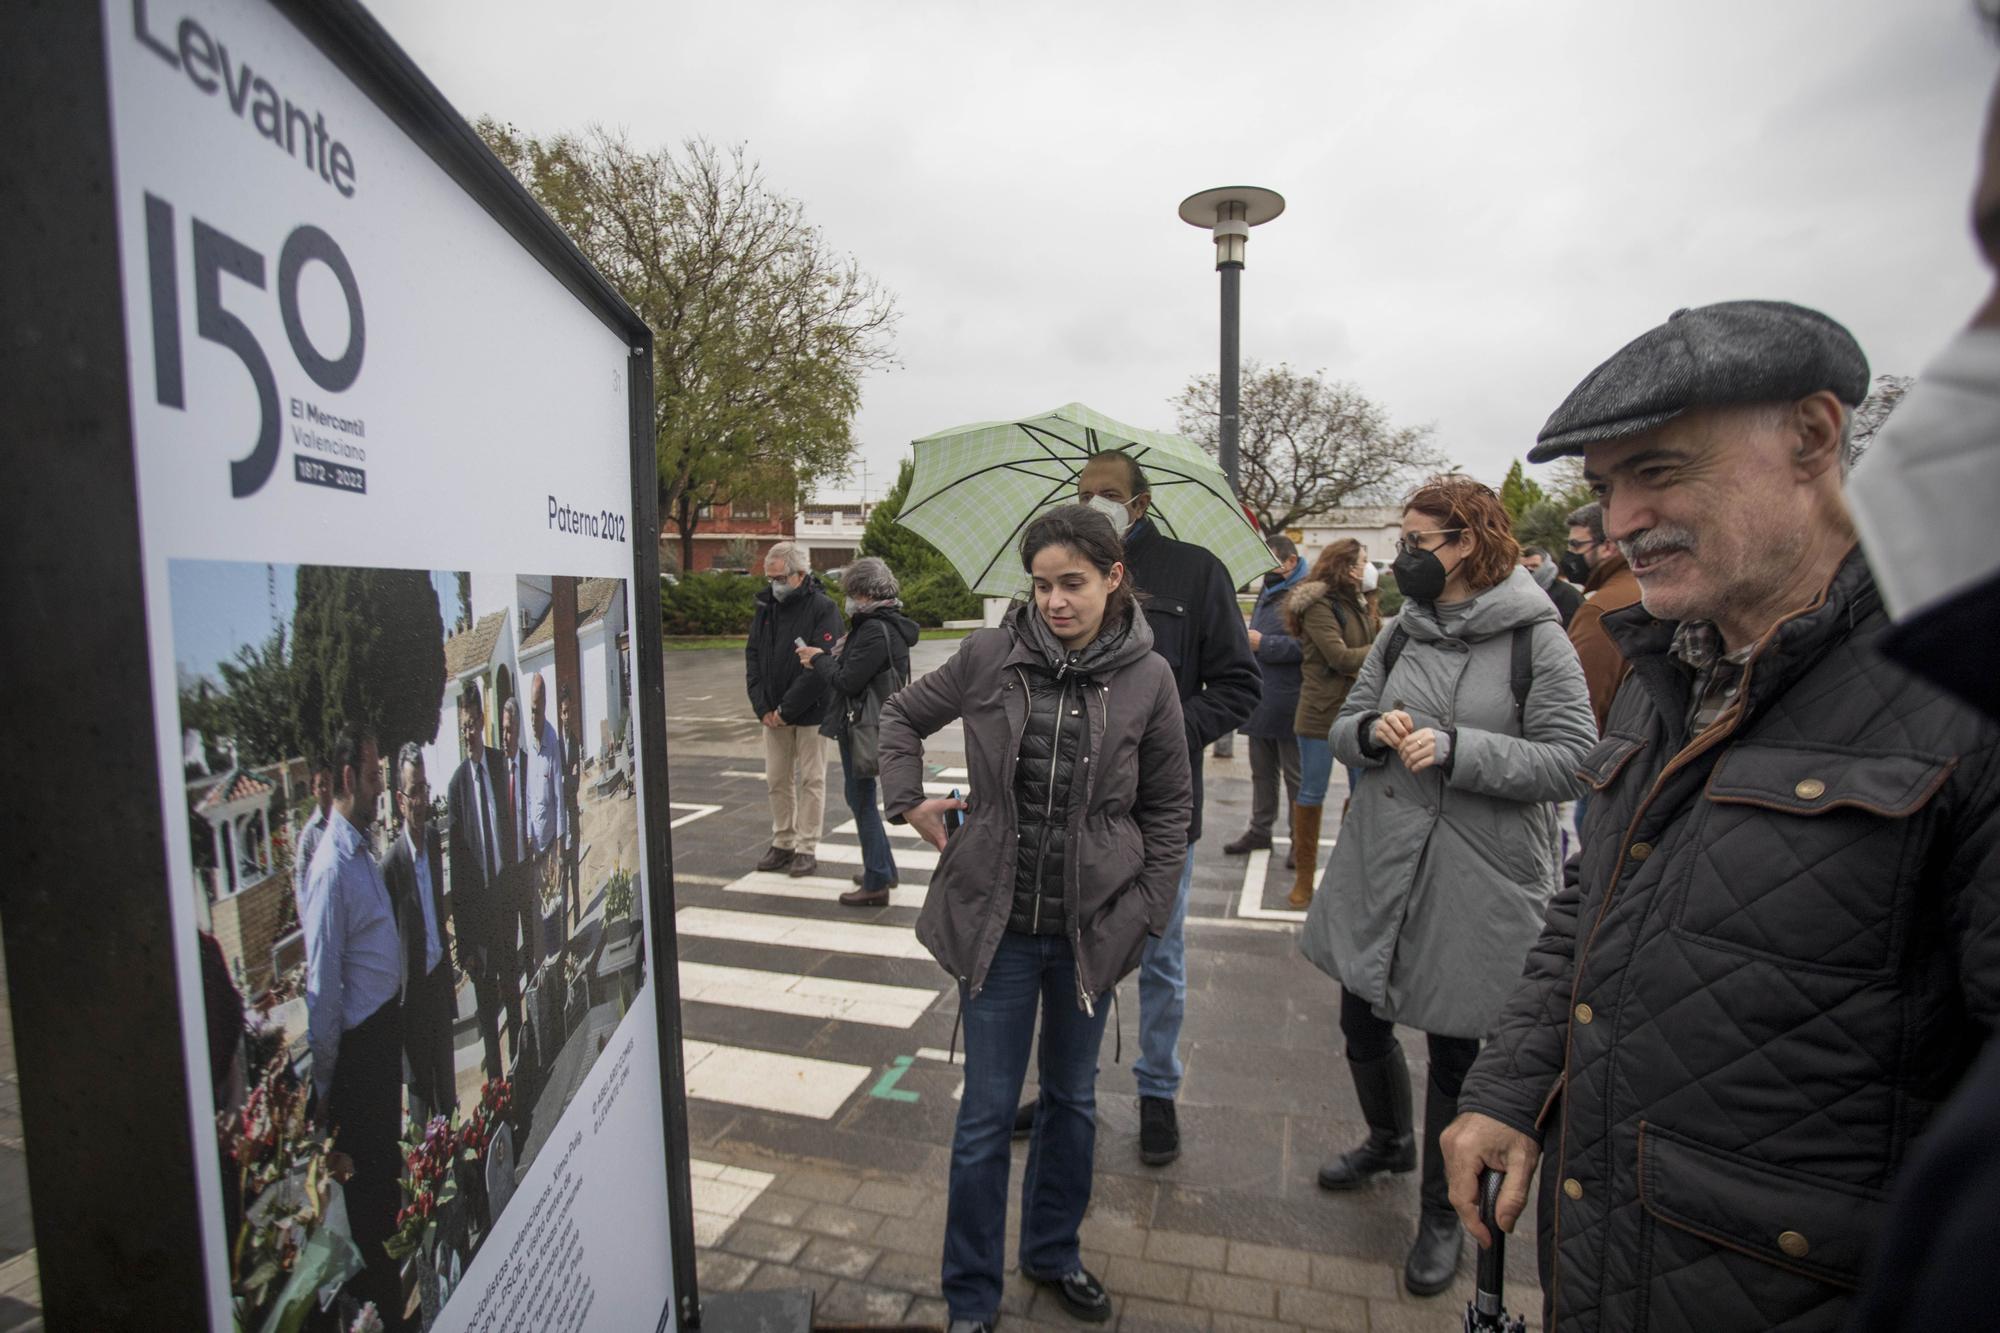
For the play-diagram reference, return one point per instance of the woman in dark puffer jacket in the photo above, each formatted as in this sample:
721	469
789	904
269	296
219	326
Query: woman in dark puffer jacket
1069	858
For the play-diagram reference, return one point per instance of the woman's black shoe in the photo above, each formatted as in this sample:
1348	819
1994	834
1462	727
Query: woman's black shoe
1081	1294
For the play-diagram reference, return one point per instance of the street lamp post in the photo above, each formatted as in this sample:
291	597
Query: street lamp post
1230	212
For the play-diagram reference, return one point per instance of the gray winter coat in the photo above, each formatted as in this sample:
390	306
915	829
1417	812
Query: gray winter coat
1440	879
1126	838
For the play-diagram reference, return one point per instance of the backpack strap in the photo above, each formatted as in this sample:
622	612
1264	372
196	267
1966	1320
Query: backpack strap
1397	638
1523	673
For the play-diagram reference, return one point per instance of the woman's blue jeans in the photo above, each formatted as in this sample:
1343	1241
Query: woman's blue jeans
878	865
1315	769
1028	972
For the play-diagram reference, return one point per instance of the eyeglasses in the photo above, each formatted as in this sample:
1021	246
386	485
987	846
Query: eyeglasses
1581	545
1406	546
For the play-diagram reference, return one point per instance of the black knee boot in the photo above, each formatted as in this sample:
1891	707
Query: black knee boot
1383	1087
1433	1261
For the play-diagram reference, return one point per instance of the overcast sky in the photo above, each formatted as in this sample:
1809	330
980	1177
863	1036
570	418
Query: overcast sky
1484	200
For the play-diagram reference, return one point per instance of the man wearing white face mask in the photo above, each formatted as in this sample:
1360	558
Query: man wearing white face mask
1199	629
790	701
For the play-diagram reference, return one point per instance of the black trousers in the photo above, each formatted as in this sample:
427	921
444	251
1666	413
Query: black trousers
365	1107
1370	1038
496	984
430	1011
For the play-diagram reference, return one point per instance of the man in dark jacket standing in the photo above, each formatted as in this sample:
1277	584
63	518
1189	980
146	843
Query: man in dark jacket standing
1779	948
791	703
1274	745
1191	607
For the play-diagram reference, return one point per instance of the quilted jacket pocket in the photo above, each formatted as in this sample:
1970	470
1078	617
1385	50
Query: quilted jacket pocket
1601	767
1803	1224
1805	856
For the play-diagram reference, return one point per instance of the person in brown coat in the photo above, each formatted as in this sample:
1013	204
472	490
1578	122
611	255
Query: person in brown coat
1608	586
1329	617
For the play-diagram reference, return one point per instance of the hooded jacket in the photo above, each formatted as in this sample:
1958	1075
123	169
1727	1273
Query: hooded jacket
1775	956
1442	876
1334	642
1126	810
878	639
771	659
1277	655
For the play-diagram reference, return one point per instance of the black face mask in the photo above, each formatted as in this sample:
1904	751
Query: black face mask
1419	576
1574	567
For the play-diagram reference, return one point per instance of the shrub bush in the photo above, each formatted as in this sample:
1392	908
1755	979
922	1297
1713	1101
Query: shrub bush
935	597
708	603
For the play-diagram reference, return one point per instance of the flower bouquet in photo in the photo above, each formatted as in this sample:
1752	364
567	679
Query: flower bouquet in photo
293	1248
475	1135
430	1188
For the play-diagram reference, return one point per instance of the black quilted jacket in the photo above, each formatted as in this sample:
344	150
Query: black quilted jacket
1776	953
1050	746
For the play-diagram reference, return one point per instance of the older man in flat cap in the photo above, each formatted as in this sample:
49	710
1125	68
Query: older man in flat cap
1779	947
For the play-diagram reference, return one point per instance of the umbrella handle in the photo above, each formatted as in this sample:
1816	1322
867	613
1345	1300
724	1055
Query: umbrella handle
1492	1259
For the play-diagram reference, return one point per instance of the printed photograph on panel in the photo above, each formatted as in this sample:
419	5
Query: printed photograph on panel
415	834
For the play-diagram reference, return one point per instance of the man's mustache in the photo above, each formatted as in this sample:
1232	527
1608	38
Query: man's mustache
1655	543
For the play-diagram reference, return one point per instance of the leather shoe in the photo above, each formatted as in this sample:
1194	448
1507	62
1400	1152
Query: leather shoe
803	864
776	859
1159	1131
1081	1294
1433	1261
1248	843
865	898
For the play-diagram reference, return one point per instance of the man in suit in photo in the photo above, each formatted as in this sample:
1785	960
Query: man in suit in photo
548	817
572	802
524	891
413	869
482	829
354	978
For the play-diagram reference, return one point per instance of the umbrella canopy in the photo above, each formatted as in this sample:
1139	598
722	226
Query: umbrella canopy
976	488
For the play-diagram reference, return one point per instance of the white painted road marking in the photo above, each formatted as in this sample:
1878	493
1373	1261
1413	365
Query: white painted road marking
721	1193
800	932
805	996
921	857
698	812
767	1081
816	888
1250	906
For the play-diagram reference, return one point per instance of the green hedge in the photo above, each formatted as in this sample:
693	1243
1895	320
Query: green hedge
933	598
708	604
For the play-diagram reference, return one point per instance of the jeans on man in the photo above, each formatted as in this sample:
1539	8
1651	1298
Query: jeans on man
1028	971
1163	999
878	864
1267	758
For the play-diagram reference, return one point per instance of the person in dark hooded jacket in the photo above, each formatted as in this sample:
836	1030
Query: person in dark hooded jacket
871	660
791	703
1068	863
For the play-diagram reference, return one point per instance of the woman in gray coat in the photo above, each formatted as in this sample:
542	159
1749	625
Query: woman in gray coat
1467	722
1069	859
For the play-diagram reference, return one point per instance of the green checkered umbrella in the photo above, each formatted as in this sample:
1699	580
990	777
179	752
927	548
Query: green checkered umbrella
976	488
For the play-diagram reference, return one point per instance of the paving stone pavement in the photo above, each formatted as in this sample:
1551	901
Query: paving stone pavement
1235	1235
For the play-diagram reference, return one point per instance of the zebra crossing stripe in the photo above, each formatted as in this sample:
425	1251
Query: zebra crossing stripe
816	888
805	996
769	1081
797	932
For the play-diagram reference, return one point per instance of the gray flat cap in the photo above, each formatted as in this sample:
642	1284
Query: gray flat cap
1732	352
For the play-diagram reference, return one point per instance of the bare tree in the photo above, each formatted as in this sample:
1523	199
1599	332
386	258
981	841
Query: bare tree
762	332
1306	444
1874	412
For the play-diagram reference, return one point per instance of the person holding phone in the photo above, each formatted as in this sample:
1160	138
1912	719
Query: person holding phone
1068	862
1468	720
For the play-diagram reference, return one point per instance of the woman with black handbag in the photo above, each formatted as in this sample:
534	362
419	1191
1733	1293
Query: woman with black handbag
870	663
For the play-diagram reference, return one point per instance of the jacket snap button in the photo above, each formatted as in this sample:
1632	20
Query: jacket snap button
1809	790
1793	1244
1584	1014
1573	1188
1641	850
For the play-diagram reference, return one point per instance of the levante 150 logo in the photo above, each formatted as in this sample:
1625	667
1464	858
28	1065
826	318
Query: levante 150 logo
339	438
